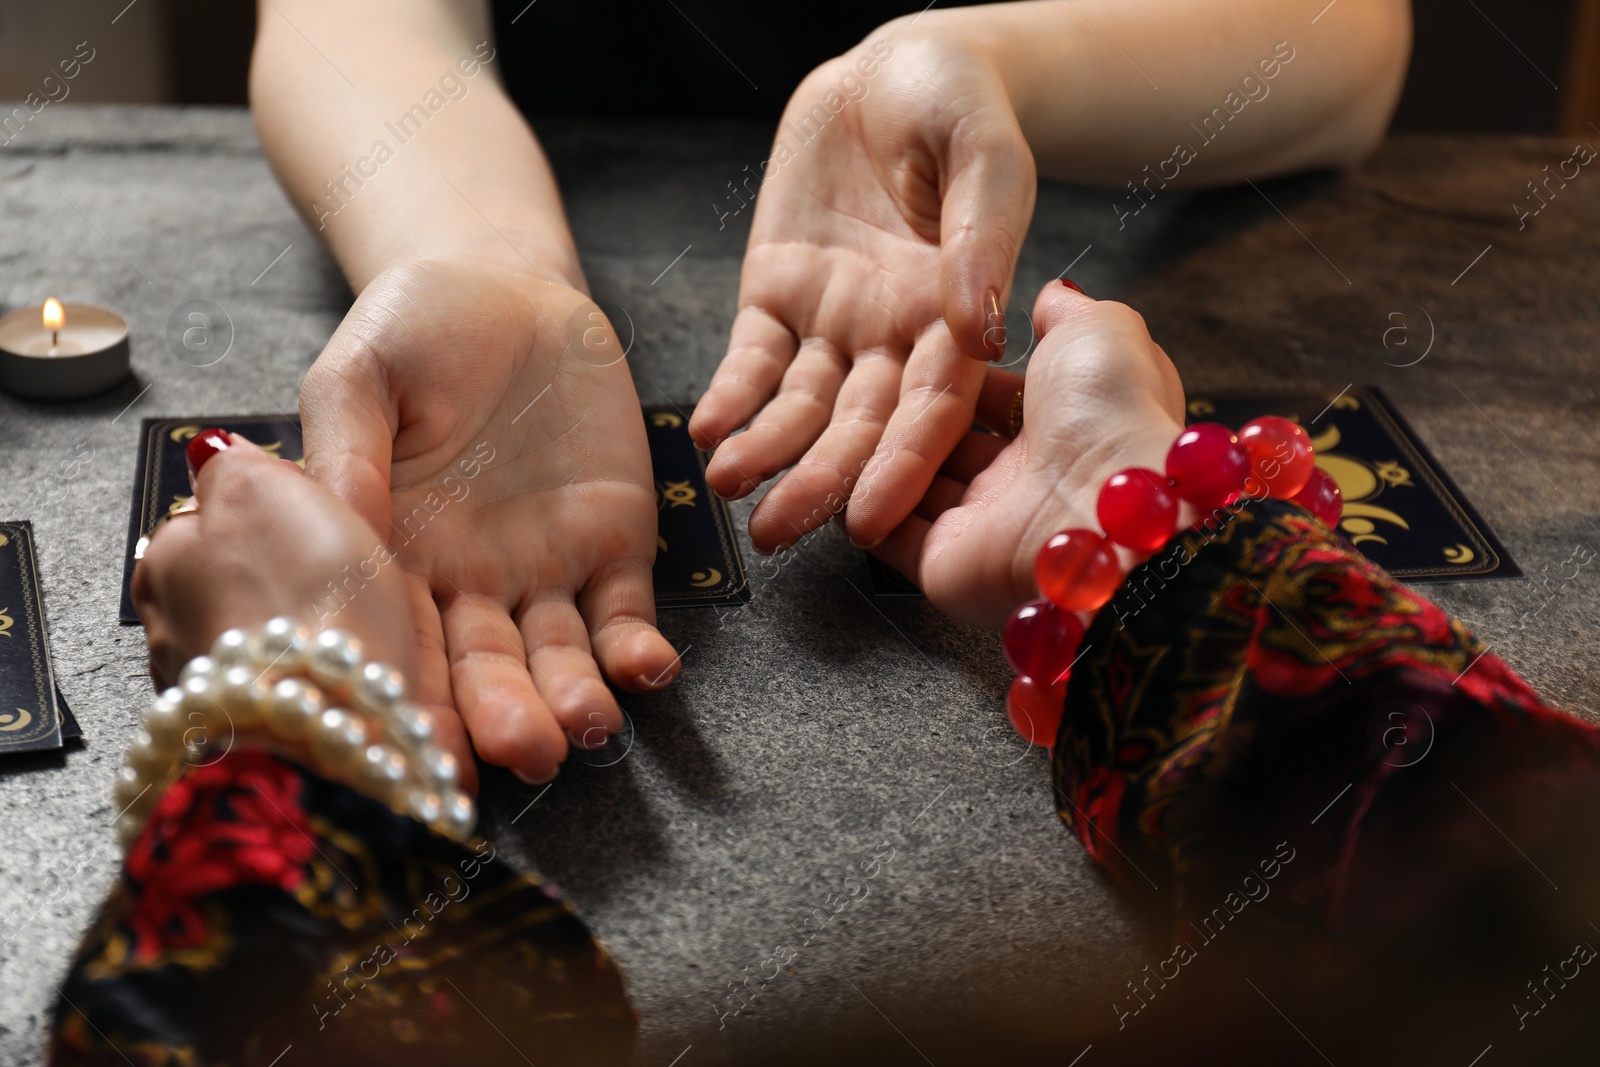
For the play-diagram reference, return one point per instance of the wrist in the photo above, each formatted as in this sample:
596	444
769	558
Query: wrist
989	35
1036	52
1145	444
528	254
315	699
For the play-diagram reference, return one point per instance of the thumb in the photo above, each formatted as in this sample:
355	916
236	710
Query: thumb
988	204
230	453
349	418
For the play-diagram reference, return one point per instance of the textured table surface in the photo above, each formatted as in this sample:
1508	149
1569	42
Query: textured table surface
817	726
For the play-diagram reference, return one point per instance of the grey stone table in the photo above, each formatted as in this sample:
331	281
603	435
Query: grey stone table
818	726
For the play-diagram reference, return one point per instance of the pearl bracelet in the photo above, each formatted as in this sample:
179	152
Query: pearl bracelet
313	691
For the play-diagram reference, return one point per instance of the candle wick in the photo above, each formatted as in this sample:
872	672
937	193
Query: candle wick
55	337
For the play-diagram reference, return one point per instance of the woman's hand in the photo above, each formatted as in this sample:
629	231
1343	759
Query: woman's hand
485	421
1101	396
268	541
883	245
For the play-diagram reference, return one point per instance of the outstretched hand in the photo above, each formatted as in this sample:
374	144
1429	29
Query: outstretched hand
485	422
1101	396
879	264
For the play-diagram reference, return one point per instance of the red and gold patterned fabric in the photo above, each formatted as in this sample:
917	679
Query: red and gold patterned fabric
1259	696
266	907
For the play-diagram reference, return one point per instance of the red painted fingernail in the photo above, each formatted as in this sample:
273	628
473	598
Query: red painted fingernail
994	334
1070	284
202	447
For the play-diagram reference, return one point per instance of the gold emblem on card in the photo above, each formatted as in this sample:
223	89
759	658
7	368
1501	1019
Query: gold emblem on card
4	540
1360	483
705	579
1199	408
667	419
10	722
1459	555
6	622
677	494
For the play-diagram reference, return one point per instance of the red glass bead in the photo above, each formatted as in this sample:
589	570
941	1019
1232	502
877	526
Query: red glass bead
204	445
1077	570
1280	454
1035	709
1137	509
1321	497
1041	640
1207	465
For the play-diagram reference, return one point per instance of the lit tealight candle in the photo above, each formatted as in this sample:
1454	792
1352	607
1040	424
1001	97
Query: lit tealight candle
62	351
53	317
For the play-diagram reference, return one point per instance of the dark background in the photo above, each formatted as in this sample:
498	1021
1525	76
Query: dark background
1477	64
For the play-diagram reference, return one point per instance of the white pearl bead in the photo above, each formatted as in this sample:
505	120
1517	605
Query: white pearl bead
424	805
147	758
231	649
293	707
380	687
338	738
202	716
198	691
334	659
199	667
241	696
411	726
164	718
438	767
169	744
280	646
383	770
458	817
129	787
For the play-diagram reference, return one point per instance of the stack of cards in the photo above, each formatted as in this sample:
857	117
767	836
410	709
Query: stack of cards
697	557
33	715
1400	508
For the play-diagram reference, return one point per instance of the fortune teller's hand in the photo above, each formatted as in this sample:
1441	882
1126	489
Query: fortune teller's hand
884	240
1101	396
268	541
484	421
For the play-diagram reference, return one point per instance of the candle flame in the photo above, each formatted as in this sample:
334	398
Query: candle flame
54	317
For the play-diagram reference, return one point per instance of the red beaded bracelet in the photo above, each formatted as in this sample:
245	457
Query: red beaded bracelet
1078	570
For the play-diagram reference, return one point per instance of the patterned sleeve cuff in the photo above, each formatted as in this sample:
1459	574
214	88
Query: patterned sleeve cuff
265	906
1254	696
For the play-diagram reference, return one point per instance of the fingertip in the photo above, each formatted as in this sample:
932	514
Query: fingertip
518	734
726	476
646	662
707	425
973	310
771	528
244	445
587	712
1056	300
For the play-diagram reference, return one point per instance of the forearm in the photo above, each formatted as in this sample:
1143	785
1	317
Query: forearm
390	132
1103	88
